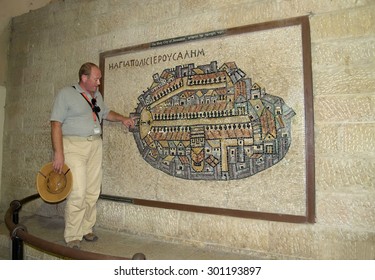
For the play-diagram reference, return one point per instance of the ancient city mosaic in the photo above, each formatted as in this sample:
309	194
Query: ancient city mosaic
211	122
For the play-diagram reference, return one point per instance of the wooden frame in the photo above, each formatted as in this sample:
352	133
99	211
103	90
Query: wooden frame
309	216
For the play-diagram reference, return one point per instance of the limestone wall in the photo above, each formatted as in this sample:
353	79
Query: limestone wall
48	46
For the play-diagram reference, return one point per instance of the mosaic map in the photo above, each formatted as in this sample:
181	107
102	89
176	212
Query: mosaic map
210	123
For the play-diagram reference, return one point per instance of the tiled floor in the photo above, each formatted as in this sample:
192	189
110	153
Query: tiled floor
118	243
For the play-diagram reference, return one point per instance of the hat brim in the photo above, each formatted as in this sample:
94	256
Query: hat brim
42	187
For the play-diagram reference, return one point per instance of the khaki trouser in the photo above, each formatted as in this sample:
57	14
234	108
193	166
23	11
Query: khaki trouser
84	158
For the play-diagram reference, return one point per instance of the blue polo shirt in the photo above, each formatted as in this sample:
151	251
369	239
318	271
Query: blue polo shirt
72	110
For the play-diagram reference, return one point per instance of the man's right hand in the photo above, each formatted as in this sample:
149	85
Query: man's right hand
58	163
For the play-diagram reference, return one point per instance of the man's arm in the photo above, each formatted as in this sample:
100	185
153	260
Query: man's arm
116	117
57	145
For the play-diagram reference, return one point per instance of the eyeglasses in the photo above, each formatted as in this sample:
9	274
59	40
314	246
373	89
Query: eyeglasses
96	108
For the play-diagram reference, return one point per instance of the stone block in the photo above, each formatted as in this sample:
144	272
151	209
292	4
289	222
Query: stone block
347	108
346	210
135	14
111	215
345	23
291	241
326	139
345	175
150	221
344	80
358	139
344	52
335	243
235	233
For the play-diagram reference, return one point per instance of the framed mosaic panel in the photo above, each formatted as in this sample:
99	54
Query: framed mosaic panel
224	123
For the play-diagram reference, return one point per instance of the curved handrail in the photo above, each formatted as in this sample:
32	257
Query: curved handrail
19	231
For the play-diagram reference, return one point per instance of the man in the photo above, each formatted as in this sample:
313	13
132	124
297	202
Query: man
76	140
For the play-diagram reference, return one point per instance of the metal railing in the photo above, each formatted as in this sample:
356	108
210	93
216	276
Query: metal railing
19	235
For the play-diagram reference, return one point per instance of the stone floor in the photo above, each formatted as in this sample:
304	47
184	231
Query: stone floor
112	243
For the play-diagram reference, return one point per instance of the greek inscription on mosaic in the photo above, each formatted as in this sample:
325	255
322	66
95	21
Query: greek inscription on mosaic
211	123
155	59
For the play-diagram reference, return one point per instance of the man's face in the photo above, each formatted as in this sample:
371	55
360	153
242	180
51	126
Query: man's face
92	82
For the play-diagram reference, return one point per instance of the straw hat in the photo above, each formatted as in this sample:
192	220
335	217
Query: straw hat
52	186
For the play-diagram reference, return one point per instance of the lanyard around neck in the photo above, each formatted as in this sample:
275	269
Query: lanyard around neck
94	113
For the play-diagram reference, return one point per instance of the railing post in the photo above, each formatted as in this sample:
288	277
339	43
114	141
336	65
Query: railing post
17	243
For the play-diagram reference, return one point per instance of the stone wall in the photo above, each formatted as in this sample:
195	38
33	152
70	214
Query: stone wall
48	46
